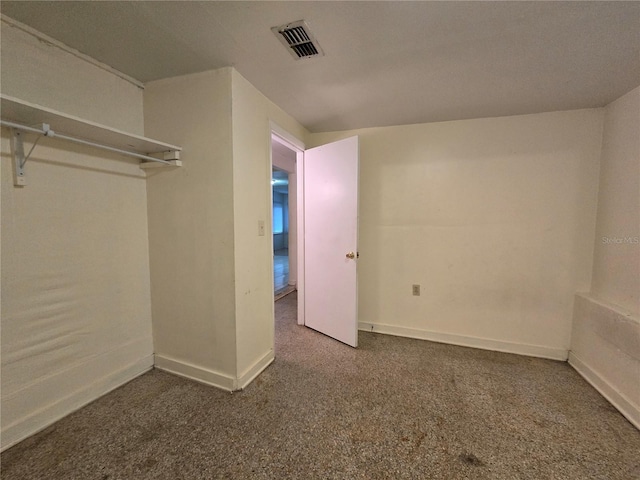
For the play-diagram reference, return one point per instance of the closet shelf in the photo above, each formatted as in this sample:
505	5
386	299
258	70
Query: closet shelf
36	118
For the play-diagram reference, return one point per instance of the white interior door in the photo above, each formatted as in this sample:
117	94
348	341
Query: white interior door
331	239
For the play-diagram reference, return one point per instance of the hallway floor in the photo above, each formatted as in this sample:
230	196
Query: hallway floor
280	271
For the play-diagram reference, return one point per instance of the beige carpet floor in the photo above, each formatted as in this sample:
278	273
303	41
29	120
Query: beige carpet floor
394	408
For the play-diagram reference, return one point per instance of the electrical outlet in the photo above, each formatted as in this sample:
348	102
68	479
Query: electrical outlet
415	289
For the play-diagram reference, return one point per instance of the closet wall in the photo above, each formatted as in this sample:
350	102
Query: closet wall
191	228
76	310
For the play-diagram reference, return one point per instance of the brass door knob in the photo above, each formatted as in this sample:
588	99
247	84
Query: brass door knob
351	255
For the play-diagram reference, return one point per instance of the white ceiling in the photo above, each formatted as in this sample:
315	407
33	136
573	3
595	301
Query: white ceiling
386	63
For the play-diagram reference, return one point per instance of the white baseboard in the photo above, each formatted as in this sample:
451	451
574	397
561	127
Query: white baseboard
86	381
211	377
194	372
256	369
625	406
464	341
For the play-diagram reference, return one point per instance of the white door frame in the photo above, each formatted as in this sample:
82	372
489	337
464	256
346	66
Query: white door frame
297	145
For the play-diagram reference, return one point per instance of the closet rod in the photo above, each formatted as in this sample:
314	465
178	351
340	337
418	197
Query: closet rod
51	133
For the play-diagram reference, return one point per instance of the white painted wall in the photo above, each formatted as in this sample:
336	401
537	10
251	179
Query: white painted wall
191	228
605	345
252	113
494	218
76	310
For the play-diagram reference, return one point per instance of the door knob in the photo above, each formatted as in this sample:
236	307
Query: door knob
351	255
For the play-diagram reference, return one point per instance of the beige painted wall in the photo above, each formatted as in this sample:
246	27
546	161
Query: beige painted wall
252	113
616	264
76	310
191	228
605	345
494	218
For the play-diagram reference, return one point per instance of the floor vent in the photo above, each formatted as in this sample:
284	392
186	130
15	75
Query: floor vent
298	39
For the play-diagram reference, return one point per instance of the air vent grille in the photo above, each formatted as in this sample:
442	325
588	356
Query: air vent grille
298	39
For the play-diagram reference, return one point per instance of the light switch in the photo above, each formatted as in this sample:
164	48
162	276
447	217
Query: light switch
261	228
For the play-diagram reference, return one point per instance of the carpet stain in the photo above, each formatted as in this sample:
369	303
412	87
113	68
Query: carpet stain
470	459
149	435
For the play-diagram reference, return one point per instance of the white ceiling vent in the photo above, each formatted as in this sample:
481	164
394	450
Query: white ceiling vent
298	39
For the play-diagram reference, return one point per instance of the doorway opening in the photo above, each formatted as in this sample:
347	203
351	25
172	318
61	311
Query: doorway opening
284	217
280	216
323	243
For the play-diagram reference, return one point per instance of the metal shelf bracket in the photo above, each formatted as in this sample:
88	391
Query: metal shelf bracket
17	152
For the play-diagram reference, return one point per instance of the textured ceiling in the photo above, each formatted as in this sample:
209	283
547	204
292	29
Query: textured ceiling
385	63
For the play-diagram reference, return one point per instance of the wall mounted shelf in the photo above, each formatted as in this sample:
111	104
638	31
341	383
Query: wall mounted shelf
29	117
